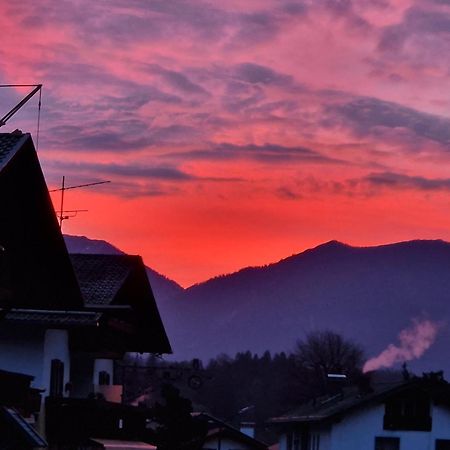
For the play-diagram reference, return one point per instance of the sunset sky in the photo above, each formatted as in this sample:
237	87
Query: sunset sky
237	133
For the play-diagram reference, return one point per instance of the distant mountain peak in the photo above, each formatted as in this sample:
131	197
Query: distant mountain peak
83	244
332	244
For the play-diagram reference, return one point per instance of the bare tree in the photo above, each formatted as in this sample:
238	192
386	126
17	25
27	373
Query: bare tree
325	352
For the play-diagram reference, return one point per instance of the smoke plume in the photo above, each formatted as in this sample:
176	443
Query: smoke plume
414	342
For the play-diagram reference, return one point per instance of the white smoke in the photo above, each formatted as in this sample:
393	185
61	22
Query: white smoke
414	342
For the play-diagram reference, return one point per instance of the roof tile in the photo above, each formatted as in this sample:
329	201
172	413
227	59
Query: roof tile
101	276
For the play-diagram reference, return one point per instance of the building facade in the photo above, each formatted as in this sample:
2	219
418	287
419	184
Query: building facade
410	415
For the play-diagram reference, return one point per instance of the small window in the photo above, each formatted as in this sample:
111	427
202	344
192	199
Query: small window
104	378
387	443
289	438
442	444
314	443
56	378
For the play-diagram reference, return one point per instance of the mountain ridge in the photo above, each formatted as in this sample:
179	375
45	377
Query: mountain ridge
332	244
368	294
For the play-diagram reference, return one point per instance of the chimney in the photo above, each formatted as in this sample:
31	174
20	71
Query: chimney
248	428
364	384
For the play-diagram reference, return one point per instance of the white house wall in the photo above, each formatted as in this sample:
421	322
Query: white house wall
22	350
103	365
358	431
56	346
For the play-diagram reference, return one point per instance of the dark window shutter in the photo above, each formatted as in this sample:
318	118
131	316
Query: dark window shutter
56	378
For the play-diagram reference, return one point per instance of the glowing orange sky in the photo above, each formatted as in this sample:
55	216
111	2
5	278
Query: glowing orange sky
238	134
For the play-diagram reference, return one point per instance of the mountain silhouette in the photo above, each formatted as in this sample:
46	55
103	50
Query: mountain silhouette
368	294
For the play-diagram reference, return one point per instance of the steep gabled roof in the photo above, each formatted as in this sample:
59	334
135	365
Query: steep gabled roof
101	276
108	282
35	269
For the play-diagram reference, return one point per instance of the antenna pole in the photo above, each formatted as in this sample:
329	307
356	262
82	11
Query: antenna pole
63	188
61	217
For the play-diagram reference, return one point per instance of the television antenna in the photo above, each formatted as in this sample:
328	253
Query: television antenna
67	214
10	113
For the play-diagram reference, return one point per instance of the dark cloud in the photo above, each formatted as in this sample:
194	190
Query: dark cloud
240	103
134	179
392	39
93	140
267	153
394	180
418	24
246	84
130	171
257	74
367	186
179	81
127	94
366	115
295	8
257	27
287	193
419	20
123	23
344	9
116	134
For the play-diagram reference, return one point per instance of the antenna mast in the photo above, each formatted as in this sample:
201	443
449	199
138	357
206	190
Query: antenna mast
8	115
64	188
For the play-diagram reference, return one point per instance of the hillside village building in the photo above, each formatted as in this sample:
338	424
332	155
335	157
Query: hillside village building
222	436
65	319
409	415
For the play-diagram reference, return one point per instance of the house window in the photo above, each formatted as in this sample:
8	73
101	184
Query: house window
293	440
289	441
387	443
442	444
56	378
104	378
314	443
409	412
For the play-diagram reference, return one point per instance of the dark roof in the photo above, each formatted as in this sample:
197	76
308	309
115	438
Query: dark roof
108	281
35	269
9	144
17	375
101	276
351	398
217	427
29	437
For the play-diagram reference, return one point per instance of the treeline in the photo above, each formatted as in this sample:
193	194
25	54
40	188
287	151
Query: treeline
251	387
